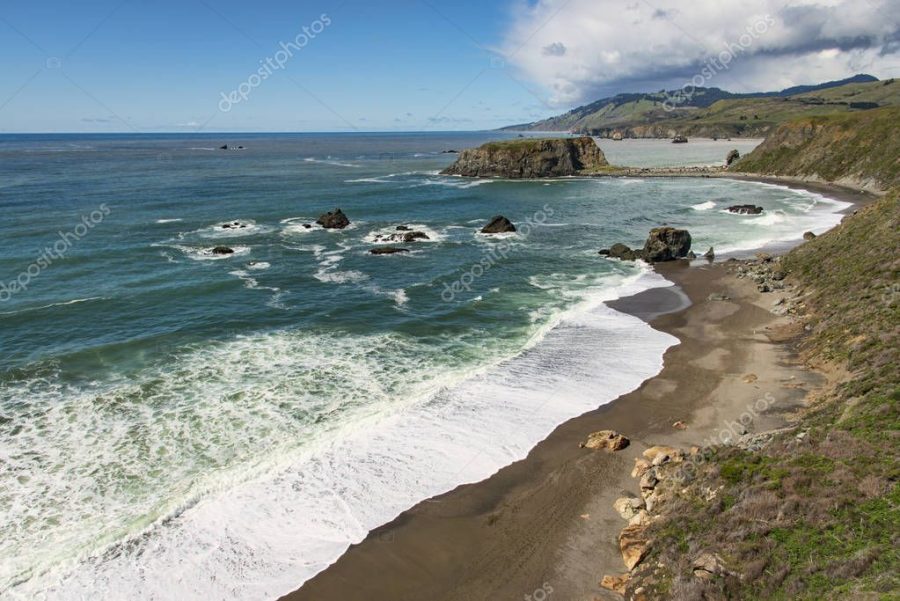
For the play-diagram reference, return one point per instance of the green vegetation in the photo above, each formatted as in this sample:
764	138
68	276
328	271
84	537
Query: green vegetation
714	113
814	514
860	148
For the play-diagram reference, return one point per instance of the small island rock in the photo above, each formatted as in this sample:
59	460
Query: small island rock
498	225
333	220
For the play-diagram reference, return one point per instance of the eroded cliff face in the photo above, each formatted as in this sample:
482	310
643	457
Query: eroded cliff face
856	149
530	158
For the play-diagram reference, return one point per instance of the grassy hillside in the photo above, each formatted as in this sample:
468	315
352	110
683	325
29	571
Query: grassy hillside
714	113
815	512
855	148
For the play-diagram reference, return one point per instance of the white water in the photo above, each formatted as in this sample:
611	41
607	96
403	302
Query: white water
262	532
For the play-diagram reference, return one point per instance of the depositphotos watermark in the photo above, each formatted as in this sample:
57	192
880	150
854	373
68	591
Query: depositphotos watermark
272	64
493	256
53	252
718	63
540	594
727	435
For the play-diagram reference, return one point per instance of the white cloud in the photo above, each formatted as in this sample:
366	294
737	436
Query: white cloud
579	50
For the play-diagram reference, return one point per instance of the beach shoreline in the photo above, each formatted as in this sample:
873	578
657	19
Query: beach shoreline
547	521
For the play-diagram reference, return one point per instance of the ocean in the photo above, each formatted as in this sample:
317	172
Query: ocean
176	424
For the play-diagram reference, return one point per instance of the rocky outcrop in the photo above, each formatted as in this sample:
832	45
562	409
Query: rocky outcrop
733	156
531	159
666	244
607	440
388	250
663	244
222	250
498	225
746	209
333	220
620	251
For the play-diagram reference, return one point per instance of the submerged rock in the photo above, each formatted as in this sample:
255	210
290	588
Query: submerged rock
406	237
666	244
334	220
531	158
388	250
222	250
746	209
623	252
498	225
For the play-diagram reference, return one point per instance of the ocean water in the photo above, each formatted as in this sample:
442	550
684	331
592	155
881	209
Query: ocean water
180	425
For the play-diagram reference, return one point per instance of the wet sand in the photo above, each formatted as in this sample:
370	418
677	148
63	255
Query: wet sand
544	527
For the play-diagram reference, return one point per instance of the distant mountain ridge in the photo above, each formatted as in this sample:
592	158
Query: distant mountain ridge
713	112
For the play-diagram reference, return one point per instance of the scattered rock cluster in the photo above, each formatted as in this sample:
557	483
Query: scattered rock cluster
663	244
634	542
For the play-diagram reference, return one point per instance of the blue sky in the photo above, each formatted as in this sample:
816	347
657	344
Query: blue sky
163	65
143	65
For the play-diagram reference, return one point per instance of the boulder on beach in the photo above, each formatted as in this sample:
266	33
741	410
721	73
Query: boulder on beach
333	220
679	140
388	250
710	254
809	236
498	225
666	244
746	209
607	440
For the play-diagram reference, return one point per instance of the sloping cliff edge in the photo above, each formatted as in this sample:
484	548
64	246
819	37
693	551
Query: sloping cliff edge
859	150
811	511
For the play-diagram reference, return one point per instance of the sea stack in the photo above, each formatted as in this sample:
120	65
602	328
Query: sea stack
333	220
531	159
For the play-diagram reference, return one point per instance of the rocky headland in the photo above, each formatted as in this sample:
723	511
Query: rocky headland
531	159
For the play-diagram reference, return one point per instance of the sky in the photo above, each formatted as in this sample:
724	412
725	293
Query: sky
406	65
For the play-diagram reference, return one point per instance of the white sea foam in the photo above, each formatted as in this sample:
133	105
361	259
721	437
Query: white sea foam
174	220
75	301
397	429
704	206
329	161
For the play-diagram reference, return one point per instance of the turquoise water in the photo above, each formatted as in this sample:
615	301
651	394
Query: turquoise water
193	426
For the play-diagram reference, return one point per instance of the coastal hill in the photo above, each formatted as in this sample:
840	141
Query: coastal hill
531	158
711	112
856	149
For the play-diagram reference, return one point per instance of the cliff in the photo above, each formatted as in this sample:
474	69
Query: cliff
531	158
860	150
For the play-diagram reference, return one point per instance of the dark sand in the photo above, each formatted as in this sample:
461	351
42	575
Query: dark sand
547	522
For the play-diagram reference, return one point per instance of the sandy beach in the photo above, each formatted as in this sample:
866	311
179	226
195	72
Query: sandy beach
545	527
